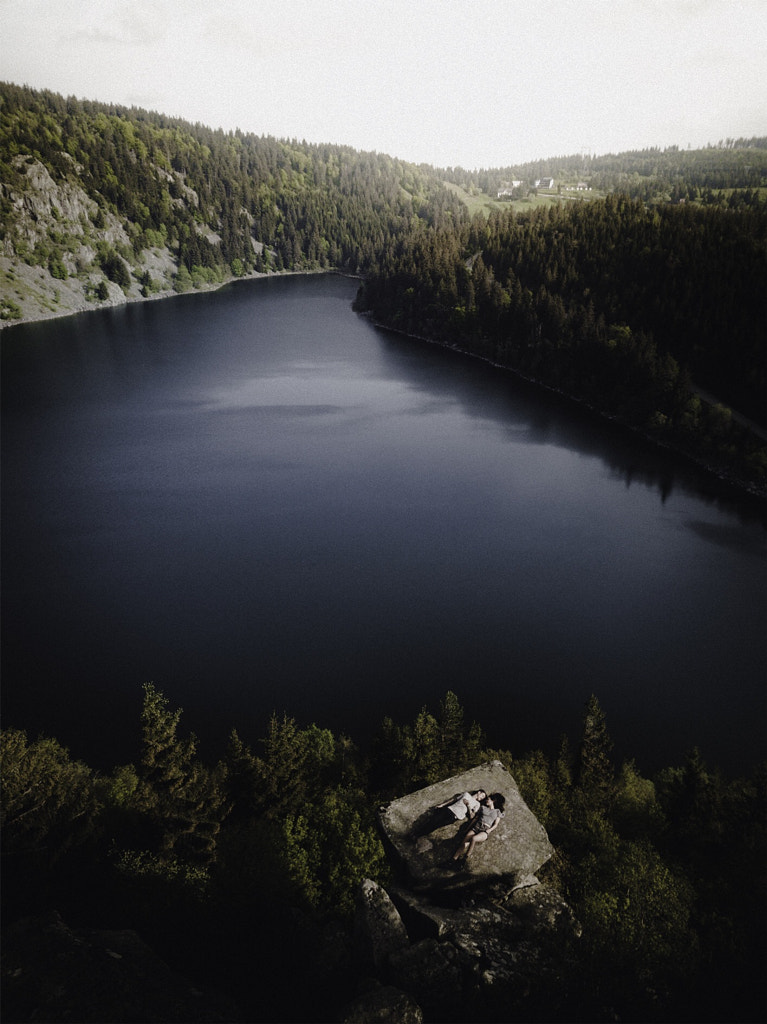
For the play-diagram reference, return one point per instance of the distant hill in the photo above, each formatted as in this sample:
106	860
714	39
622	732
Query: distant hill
632	281
102	203
732	173
107	203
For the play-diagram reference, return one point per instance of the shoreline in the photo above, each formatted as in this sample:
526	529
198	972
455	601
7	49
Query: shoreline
42	314
744	488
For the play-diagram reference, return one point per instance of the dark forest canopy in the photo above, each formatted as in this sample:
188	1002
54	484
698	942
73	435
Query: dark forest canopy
634	300
622	305
666	874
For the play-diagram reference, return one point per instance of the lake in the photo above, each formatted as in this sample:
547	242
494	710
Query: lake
260	501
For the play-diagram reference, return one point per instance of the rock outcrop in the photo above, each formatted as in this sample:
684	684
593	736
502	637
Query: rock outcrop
423	845
379	930
61	218
441	942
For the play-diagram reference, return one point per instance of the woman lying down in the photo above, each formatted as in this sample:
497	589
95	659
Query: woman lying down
486	820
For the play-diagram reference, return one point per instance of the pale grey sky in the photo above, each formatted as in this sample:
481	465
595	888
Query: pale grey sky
480	83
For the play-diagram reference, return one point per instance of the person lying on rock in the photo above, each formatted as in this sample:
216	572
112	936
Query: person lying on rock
460	807
486	820
466	805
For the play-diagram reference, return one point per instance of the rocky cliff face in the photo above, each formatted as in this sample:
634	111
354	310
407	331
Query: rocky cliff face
48	251
445	945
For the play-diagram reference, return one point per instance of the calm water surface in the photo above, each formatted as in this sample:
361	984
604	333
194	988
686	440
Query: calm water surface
261	502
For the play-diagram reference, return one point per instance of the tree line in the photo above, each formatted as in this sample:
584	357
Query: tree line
210	194
732	172
666	874
621	305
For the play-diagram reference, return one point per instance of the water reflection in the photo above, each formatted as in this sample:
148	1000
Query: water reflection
748	542
262	502
531	414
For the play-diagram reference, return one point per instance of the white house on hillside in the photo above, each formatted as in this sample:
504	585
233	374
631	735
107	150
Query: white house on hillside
508	189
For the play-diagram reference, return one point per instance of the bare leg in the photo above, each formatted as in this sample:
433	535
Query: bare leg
461	850
477	837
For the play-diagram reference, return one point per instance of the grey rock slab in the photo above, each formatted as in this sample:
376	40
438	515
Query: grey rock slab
378	927
423	846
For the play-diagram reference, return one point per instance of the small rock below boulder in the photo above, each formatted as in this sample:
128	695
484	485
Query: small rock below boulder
378	928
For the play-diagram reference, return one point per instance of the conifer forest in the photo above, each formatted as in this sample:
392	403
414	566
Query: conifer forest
635	285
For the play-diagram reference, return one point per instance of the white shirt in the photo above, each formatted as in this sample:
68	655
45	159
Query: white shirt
466	804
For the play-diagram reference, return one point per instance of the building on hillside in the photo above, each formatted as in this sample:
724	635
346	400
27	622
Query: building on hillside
544	183
507	191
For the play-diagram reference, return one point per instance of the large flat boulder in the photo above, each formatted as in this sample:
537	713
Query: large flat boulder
424	846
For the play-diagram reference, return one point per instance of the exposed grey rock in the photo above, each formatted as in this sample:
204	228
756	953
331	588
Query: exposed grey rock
384	1005
378	927
427	917
424	847
492	934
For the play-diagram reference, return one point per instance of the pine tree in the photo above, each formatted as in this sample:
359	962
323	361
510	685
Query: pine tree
595	775
184	798
48	802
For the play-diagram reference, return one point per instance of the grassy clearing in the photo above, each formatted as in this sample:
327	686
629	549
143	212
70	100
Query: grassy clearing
480	202
477	202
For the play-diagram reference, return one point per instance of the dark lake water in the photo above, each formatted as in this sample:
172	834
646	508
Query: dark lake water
260	501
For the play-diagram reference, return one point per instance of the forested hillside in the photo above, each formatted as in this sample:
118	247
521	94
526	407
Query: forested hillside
627	307
644	298
242	874
732	173
220	203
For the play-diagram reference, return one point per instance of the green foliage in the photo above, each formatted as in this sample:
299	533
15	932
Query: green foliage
123	787
114	267
532	774
183	280
48	802
9	310
654	874
594	773
328	848
148	285
295	762
411	756
636	811
178	792
636	915
56	268
158	873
